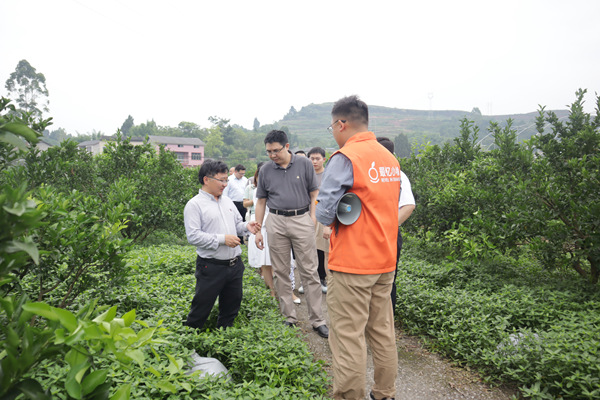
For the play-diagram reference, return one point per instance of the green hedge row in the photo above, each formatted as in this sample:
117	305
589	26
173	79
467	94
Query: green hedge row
512	325
265	359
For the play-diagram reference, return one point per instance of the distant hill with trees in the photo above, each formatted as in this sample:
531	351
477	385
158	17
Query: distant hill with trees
419	126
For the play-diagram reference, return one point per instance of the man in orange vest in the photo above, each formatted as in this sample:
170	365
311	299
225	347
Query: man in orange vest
362	256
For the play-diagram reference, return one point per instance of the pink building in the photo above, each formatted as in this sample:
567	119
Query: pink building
189	151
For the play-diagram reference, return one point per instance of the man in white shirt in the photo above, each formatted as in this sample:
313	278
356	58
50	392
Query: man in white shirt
316	155
406	206
236	184
212	224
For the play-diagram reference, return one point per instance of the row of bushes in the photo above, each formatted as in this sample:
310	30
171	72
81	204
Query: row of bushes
512	322
265	359
539	196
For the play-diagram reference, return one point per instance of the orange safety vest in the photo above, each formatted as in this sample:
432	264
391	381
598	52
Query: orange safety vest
369	245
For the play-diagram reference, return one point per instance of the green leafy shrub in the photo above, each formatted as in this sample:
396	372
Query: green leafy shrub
80	246
539	197
160	185
26	341
265	358
506	322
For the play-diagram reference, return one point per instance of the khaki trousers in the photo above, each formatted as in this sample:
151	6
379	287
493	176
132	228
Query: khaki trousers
360	311
298	231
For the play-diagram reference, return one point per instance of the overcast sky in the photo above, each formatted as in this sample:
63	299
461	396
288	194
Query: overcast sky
185	60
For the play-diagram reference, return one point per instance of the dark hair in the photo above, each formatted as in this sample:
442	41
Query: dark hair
240	167
276	137
387	143
300	152
351	108
317	150
210	168
260	164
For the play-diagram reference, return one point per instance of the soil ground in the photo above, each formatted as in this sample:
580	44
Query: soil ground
422	375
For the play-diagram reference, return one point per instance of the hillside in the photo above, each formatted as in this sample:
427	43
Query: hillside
309	123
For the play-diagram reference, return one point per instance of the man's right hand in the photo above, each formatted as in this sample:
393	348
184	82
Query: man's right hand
232	241
259	241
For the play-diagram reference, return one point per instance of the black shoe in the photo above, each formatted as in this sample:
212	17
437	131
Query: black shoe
288	323
322	331
385	398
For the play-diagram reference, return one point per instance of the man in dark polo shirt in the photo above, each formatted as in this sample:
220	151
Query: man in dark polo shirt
288	186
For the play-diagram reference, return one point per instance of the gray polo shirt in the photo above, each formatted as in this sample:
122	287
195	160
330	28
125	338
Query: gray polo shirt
289	188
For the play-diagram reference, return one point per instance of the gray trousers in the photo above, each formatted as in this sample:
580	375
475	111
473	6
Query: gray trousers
298	231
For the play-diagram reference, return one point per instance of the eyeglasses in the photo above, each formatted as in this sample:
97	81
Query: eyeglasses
273	152
223	181
330	127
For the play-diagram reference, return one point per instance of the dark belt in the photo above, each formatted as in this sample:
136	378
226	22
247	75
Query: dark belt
229	263
289	213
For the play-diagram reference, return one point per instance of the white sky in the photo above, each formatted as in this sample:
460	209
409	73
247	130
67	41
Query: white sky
185	60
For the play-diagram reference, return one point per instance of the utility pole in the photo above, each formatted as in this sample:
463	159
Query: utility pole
430	96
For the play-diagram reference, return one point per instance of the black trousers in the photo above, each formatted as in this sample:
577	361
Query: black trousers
240	206
321	266
398	250
212	281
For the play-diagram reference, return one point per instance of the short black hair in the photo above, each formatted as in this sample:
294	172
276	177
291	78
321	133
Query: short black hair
210	168
317	150
276	136
351	108
300	152
240	167
387	143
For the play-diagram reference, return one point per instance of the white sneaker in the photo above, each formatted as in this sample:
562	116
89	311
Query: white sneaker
323	286
297	300
301	290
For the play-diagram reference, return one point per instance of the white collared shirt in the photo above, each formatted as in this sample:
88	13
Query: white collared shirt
235	188
207	221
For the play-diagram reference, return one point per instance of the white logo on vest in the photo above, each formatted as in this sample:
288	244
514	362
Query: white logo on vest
387	174
373	170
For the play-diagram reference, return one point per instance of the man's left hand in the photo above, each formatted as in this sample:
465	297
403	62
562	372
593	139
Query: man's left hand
253	227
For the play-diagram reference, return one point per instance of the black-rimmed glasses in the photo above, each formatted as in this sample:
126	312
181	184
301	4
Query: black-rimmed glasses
273	152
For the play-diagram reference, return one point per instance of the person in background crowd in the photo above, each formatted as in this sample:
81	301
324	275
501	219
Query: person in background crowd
258	258
211	224
287	185
235	190
361	255
300	153
317	156
406	207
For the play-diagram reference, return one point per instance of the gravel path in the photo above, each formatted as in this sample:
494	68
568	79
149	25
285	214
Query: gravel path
422	375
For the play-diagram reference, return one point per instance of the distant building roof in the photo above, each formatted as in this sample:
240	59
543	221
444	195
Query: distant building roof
175	140
153	139
88	143
44	140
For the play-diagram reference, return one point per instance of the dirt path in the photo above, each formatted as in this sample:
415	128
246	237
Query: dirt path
422	375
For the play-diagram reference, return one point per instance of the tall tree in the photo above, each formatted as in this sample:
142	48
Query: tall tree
228	133
256	125
28	89
127	125
144	129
